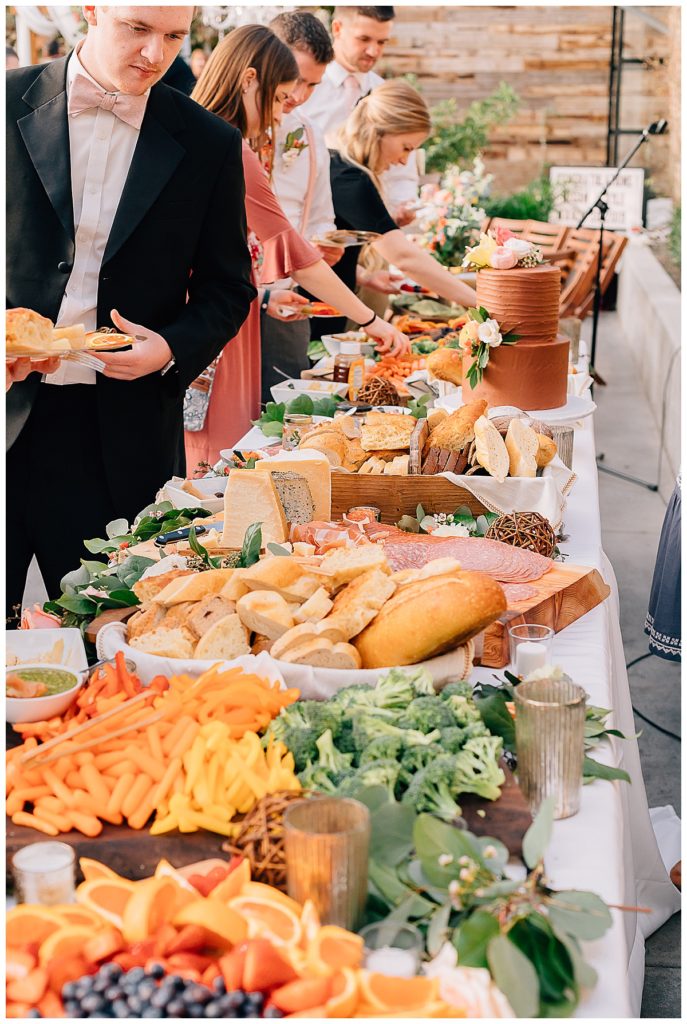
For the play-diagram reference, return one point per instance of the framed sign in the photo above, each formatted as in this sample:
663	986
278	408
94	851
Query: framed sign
576	188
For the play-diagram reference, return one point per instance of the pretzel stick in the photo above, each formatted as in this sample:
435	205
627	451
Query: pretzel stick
132	727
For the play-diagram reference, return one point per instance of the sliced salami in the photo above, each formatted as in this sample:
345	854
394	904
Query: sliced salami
516	592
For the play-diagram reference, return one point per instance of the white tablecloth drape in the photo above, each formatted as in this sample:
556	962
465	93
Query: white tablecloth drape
609	847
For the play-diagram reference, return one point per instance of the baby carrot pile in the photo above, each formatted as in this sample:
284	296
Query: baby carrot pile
189	751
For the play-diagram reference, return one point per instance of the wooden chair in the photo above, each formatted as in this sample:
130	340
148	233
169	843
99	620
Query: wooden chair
549	237
516	226
579	271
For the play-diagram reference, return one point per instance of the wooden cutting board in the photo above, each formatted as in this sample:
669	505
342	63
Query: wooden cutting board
564	594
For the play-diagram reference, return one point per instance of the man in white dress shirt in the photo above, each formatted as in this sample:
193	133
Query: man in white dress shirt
359	36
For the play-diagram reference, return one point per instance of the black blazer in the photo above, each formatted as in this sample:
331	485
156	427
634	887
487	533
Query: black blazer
180	230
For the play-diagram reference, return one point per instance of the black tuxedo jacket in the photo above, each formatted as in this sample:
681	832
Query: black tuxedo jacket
176	260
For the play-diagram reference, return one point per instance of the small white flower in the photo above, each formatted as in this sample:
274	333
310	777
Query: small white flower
445	859
466	874
546	672
519	246
464	860
453	888
489	852
457	530
489	333
290	157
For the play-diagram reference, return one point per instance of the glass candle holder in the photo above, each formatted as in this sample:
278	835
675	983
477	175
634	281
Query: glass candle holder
392	948
327	844
530	647
44	873
549	737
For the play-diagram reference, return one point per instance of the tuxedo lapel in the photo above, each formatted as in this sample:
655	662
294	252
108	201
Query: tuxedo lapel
46	136
156	157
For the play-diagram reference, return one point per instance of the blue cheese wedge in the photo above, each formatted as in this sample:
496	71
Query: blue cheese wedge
295	496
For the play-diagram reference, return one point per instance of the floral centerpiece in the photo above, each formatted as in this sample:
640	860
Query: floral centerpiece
452	212
500	249
478	337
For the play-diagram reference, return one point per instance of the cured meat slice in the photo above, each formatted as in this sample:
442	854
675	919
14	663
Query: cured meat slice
502	562
516	592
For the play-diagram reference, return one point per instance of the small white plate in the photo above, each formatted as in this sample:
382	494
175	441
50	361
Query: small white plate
292	388
576	408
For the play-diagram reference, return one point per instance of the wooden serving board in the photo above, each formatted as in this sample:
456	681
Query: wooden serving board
564	594
507	818
398	496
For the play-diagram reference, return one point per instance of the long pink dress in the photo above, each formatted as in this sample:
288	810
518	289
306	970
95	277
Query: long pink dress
235	397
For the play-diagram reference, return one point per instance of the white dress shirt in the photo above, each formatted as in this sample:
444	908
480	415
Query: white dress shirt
328	108
101	148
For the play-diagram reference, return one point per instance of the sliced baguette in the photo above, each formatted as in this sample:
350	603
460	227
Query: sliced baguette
266	612
227	639
315	608
323	654
546	451
207	612
195	587
304	632
522	445
357	604
344	564
166	643
490	449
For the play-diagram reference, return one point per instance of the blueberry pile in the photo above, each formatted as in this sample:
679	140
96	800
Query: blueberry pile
137	993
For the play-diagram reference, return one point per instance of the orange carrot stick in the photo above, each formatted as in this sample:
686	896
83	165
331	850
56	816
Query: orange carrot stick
88	824
136	795
122	787
31	821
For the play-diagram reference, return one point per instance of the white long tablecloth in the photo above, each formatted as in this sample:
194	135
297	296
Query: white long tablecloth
609	847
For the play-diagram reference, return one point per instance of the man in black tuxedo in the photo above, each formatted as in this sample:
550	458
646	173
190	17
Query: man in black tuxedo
125	207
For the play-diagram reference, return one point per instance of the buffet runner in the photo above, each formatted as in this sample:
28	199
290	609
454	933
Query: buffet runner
120	187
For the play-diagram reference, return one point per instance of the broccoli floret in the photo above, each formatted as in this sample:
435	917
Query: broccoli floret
431	790
464	709
416	758
345	741
291	729
329	757
383	748
320	715
395	689
359	695
458	689
476	767
426	714
377	773
368	727
315	776
453	739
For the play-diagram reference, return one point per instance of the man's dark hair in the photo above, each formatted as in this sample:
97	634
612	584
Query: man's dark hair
303	31
376	13
53	49
11	52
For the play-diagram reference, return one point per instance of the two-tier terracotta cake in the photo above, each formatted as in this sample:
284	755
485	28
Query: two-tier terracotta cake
533	373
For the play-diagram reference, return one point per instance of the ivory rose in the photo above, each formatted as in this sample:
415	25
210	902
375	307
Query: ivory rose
489	333
519	246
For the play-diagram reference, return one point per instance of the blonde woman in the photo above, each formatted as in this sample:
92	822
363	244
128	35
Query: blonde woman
382	131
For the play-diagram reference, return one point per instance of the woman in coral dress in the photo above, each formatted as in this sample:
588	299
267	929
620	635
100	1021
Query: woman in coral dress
246	81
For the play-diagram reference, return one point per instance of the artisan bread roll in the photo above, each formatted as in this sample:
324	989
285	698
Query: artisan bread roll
522	445
195	587
28	331
358	603
166	643
546	450
490	449
315	608
446	364
284	575
303	633
323	654
428	617
266	612
457	430
331	443
386	430
227	639
344	564
207	612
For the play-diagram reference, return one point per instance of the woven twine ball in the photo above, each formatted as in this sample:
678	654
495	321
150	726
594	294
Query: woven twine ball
528	530
377	391
261	838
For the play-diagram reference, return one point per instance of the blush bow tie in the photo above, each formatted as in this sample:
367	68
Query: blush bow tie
85	94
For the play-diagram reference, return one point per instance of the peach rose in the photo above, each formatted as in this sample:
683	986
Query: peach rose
500	235
503	258
469	336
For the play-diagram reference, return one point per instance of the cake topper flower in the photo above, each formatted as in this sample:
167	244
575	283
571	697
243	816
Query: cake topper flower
500	249
478	337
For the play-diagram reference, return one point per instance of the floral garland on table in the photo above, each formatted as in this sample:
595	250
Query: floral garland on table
500	249
477	338
294	144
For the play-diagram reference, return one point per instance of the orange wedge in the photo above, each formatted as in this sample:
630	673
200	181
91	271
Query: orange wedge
107	897
65	942
269	918
310	923
259	890
224	926
167	870
153	903
344	998
72	913
94	869
30	923
393	995
233	884
334	948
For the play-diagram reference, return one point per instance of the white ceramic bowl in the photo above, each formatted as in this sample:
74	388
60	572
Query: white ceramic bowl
333	343
292	388
36	709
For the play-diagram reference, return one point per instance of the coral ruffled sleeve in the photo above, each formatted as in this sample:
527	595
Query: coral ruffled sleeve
285	250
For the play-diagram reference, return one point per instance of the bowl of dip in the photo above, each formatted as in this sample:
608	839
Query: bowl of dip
47	691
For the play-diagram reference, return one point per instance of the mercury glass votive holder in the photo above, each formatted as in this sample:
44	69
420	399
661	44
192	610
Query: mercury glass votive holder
327	844
549	736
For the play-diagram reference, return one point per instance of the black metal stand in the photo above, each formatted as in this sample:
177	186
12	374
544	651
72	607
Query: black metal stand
657	128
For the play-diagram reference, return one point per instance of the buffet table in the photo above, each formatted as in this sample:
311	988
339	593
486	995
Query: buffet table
609	847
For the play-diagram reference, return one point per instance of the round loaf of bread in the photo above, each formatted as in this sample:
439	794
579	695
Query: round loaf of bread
430	616
27	330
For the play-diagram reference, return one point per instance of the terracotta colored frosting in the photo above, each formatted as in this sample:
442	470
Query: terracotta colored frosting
524	302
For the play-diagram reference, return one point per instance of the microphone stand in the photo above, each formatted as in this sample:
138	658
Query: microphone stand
657	128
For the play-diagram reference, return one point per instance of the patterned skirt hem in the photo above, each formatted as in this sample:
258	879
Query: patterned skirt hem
662	644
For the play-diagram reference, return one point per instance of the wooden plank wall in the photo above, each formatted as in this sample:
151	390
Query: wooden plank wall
557	59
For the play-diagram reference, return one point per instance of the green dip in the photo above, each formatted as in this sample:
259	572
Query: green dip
56	680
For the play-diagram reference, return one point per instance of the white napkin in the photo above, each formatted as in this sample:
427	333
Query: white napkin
579	383
314	683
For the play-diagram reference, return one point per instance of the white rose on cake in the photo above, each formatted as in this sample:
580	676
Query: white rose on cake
519	246
489	333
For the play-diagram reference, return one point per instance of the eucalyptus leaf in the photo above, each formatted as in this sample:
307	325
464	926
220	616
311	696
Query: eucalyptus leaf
93	569
386	881
591	769
76	578
419	513
131	570
252	542
415	876
582	914
498	890
496	716
438	931
409	524
514	975
116	527
538	835
472	938
433	839
277	549
373	797
125	598
97	545
78	605
482	525
392	833
585	975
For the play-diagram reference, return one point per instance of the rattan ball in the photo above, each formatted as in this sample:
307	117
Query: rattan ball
528	530
261	838
377	391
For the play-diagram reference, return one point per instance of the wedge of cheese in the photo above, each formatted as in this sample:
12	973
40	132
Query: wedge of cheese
312	465
251	497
